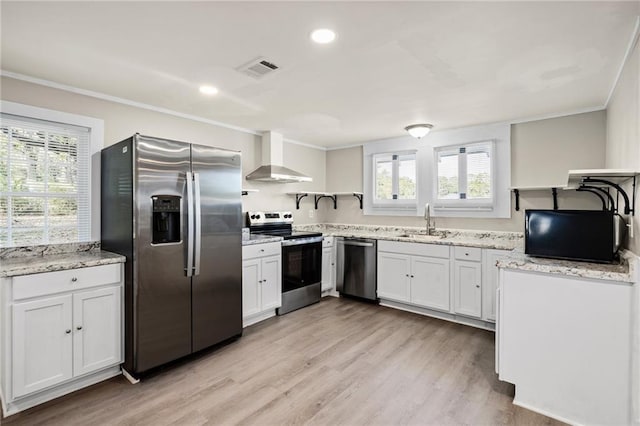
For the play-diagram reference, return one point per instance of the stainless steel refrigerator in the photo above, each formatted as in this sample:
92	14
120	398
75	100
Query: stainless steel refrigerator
174	210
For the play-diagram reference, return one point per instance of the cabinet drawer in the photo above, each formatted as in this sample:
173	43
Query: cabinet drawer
474	254
327	242
35	285
418	249
261	250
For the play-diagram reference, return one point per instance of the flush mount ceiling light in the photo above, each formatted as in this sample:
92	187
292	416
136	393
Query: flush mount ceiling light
208	90
419	130
323	36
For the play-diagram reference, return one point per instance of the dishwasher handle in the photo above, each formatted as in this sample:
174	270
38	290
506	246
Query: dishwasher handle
355	243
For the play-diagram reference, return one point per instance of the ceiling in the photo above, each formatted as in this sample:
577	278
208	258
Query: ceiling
452	64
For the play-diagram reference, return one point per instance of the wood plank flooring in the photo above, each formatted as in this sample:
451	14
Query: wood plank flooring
338	362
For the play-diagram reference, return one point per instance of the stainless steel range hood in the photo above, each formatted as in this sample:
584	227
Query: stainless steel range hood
272	169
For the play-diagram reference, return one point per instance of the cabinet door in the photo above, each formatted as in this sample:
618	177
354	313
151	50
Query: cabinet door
468	288
490	282
250	287
430	282
97	330
327	259
271	285
42	344
393	276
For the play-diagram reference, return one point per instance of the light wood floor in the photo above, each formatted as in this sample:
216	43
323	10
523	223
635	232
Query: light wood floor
337	362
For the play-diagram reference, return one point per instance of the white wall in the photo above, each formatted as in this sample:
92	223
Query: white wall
543	151
541	154
623	128
122	121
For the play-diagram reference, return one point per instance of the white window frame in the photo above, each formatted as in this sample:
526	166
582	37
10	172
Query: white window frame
487	204
386	146
395	180
96	142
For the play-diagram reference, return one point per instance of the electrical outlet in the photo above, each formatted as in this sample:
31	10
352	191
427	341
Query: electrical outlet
311	213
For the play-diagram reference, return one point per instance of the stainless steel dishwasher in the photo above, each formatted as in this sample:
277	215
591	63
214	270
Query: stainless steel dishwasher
356	268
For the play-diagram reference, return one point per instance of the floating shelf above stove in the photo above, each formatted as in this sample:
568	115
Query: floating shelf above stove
319	195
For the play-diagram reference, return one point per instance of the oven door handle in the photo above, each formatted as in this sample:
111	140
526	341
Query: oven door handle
301	241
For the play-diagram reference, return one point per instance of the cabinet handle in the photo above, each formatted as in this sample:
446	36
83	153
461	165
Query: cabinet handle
264	281
477	285
412	276
74	279
261	250
67	331
406	275
79	327
466	254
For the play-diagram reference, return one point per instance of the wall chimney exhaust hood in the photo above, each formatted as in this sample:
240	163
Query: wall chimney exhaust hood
272	169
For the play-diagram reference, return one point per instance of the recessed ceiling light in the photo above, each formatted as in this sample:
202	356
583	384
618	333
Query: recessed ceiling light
208	90
323	36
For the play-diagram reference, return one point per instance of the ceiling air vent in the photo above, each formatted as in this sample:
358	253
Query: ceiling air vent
258	68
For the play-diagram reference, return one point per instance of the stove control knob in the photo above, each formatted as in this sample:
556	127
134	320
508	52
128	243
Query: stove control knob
253	216
257	216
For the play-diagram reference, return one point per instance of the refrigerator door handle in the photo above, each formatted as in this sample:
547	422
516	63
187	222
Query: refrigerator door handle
189	267
198	224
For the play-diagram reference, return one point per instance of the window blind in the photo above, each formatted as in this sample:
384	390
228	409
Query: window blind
44	182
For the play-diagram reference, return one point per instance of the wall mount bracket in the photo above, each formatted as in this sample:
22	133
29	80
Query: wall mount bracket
554	194
629	205
318	197
299	198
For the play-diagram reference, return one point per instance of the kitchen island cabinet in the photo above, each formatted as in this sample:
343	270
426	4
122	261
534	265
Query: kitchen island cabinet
61	331
566	343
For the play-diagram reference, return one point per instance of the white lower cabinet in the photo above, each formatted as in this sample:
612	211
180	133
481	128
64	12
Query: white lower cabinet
96	329
417	280
261	281
61	331
467	285
394	276
42	352
430	282
328	265
439	280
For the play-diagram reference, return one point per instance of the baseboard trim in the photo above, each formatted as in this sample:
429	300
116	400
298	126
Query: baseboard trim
477	323
543	412
23	403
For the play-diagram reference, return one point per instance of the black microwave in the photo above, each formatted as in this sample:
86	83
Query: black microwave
588	235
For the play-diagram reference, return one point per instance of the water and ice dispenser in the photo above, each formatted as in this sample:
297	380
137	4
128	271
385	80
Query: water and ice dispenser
166	219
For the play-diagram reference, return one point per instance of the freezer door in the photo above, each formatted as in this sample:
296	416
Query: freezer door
162	290
217	281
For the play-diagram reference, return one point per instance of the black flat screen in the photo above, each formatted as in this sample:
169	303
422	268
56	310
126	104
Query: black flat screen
570	234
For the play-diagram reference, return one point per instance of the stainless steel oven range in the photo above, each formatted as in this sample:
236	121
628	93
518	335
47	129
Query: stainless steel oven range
301	258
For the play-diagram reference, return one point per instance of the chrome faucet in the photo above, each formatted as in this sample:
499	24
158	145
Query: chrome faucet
427	216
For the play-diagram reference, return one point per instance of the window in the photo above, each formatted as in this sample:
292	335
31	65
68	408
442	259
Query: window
464	175
395	180
44	181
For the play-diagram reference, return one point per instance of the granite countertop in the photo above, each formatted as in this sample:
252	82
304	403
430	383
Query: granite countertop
34	264
259	239
623	271
451	237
